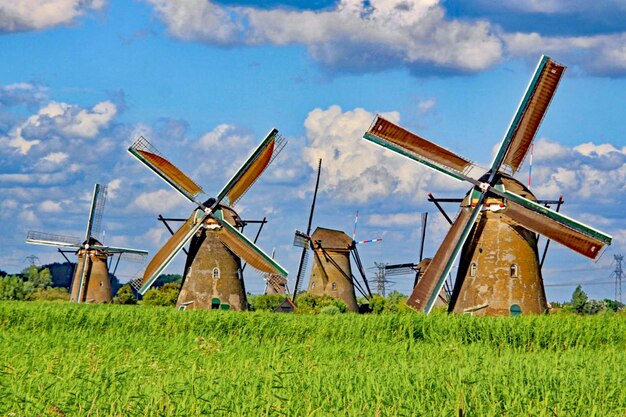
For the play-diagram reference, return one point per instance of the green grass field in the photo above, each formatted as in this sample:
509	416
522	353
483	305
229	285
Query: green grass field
60	359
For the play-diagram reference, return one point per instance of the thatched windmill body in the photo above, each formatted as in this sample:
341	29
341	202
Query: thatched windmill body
91	281
213	270
496	230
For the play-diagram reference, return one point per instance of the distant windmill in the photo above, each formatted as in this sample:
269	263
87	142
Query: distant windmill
91	282
332	272
495	231
213	271
275	283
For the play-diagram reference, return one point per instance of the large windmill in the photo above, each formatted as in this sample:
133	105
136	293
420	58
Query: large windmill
91	282
213	271
332	272
496	230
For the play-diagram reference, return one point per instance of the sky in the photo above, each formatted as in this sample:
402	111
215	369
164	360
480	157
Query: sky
204	81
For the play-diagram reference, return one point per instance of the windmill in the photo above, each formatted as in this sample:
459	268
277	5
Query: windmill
496	230
332	272
275	283
91	282
416	269
213	276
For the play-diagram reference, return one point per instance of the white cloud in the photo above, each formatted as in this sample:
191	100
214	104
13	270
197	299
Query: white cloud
60	119
24	15
395	219
159	201
596	54
353	169
20	93
425	105
354	35
590	149
49	206
55	157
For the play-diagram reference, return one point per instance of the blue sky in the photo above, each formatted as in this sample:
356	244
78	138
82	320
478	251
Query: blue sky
205	81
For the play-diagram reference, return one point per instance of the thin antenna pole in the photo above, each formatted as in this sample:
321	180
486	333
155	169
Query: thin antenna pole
424	221
308	233
530	165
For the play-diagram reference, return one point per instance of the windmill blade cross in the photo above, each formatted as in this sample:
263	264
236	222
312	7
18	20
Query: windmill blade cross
253	167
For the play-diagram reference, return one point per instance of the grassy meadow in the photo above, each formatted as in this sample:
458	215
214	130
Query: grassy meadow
61	359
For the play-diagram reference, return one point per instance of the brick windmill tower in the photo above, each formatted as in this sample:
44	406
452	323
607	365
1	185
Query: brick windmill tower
332	272
213	277
495	232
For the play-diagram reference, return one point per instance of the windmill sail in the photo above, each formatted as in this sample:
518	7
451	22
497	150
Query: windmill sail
147	154
246	250
95	212
166	254
389	135
252	168
49	239
530	113
558	227
428	287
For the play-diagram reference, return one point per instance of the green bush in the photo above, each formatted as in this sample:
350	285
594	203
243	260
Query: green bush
332	309
312	304
125	295
50	294
266	302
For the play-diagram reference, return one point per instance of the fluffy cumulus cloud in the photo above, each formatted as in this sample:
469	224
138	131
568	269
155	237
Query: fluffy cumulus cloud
57	119
586	172
354	36
362	36
25	15
356	170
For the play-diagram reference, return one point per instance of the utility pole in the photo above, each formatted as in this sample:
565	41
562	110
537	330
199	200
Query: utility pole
618	276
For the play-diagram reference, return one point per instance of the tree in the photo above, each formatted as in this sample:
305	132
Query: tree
12	288
579	300
125	295
167	295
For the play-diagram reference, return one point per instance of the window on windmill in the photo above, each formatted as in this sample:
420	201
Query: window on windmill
472	270
313	286
216	273
514	271
334	286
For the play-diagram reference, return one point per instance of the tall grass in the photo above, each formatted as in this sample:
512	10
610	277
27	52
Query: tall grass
104	360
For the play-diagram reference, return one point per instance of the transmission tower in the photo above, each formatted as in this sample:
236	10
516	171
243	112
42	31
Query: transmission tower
618	277
380	278
32	259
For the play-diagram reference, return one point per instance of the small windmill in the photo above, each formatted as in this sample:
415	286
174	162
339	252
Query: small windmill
275	283
332	272
495	231
213	273
91	282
